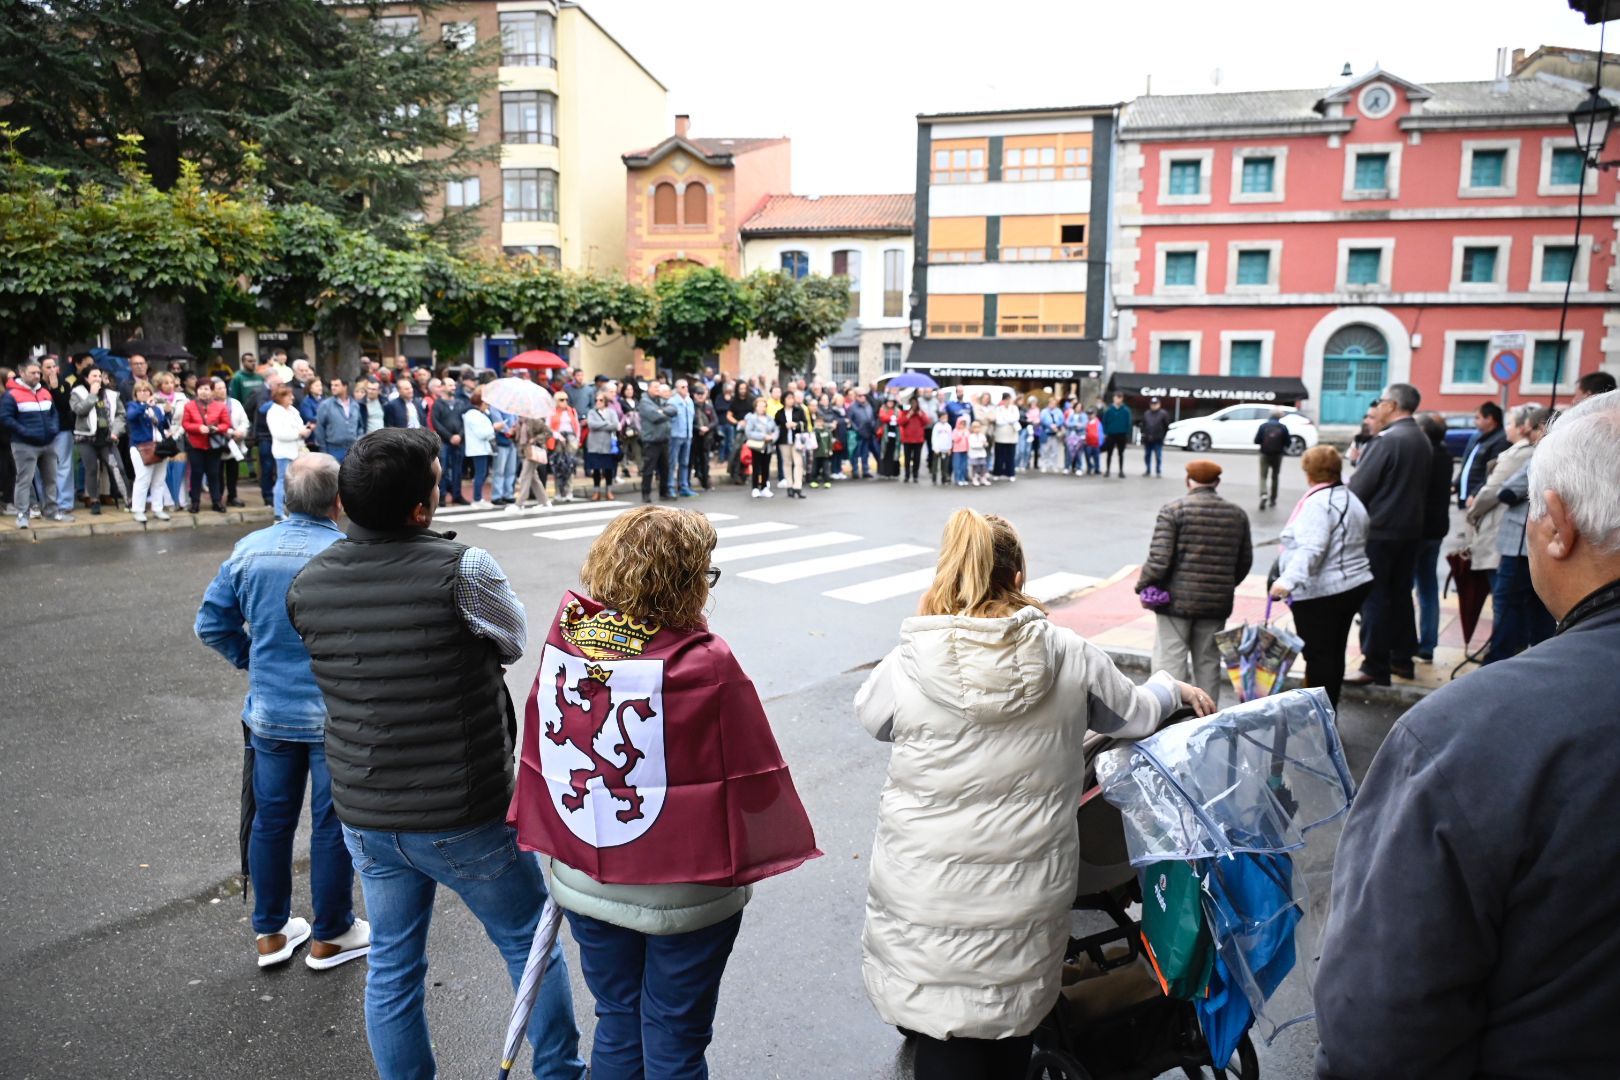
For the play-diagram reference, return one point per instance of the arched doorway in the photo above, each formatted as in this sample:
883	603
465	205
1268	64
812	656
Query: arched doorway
1355	364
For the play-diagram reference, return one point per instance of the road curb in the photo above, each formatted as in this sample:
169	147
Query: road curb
1136	661
123	524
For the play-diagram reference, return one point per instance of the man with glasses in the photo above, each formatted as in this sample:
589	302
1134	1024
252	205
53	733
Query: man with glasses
1391	481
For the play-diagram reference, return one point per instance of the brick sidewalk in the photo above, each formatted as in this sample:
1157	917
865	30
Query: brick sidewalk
1109	615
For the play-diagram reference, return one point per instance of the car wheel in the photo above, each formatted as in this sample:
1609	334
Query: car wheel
1198	442
1296	446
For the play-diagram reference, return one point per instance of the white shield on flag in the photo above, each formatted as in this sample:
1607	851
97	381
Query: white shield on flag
601	742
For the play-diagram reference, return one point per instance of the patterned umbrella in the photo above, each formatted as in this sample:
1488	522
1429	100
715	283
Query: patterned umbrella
545	936
519	397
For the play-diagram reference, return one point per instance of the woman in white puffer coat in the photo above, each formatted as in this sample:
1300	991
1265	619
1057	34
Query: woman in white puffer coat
977	855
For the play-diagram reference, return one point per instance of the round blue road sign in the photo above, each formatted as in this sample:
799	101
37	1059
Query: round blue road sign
1505	368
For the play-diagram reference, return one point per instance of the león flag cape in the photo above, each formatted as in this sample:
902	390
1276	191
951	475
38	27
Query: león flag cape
647	758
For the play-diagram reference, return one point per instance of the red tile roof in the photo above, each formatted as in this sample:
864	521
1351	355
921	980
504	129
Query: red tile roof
712	150
832	214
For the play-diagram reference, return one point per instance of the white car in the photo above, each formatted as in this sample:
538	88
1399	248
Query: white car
1233	428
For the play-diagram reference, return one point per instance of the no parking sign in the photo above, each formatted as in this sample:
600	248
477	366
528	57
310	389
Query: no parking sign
1507	359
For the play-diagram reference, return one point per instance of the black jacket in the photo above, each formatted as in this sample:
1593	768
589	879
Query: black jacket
1476	888
394	412
1200	554
1272	437
801	423
1392	480
1482	452
1437	501
419	726
447	416
1155	425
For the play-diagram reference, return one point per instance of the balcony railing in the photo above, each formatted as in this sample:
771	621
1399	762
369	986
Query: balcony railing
956	329
956	255
1044	253
1034	329
528	59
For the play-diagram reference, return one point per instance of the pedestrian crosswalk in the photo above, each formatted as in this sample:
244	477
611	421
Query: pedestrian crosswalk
843	566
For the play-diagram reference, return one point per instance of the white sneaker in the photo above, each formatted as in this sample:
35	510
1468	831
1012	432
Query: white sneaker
351	945
753	493
766	493
483	504
140	517
22	521
161	515
277	948
513	508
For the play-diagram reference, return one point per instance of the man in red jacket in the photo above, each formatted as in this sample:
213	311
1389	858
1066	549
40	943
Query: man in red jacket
207	424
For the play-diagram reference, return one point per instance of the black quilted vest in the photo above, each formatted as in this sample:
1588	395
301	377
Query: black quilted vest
419	726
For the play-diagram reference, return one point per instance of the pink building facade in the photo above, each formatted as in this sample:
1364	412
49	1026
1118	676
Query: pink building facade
1377	232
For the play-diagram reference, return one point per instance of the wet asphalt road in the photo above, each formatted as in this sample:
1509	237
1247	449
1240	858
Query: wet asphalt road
131	953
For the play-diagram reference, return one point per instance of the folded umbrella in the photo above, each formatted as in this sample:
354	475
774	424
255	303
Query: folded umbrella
1473	586
534	970
244	825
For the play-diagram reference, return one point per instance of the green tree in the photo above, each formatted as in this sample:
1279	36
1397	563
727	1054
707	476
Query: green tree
799	313
699	312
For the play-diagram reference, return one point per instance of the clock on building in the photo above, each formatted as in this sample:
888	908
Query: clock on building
1377	100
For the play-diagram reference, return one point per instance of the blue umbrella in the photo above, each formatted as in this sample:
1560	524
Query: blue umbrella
912	378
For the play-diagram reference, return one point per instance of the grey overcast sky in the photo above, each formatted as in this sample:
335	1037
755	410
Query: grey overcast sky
846	78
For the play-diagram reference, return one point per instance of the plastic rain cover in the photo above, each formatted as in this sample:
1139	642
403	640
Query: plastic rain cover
1257	793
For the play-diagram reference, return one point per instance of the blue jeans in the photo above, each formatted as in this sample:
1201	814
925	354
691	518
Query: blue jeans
862	452
1426	580
1153	457
728	433
281	769
959	466
267	471
505	482
1093	458
62	446
503	887
451	459
279	491
1519	619
338	453
680	463
480	464
655	996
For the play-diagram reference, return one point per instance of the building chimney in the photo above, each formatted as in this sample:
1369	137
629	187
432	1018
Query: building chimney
1518	58
683	122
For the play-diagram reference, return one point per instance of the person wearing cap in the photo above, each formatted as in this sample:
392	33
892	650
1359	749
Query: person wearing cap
1201	552
1155	426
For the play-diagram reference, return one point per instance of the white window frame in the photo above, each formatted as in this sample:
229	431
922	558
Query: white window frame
1498	282
1386	263
1392	175
1205	159
1449	383
1544	184
1195	345
1199	248
463	116
459	33
1274	270
1510	169
1573	340
461	187
1581	274
1267	339
1279	174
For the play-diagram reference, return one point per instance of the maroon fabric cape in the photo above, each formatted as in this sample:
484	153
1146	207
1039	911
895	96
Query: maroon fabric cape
647	759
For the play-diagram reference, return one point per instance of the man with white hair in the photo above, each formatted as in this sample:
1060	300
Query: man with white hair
1477	887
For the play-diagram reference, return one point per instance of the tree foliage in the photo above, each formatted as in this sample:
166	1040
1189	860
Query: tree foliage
700	310
800	313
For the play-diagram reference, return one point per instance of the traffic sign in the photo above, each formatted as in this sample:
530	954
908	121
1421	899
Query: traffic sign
1507	356
1505	368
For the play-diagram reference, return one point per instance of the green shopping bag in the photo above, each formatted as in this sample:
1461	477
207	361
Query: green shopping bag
1177	937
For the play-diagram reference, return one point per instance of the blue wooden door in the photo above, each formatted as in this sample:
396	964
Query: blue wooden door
1354	367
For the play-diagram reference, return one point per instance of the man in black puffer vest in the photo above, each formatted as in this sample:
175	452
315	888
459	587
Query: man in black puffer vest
407	632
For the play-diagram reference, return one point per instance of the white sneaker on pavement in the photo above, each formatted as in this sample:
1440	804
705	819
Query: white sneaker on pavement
752	494
140	517
161	515
766	493
277	948
483	504
350	945
22	521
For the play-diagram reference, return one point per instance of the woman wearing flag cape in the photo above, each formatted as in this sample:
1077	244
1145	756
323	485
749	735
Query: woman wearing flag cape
650	778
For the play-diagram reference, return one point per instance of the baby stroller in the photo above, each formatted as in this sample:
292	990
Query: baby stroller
1113	1021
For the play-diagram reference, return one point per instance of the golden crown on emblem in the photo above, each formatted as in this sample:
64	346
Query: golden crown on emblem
607	635
598	672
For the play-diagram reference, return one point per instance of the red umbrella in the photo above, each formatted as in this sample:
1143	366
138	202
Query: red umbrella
1473	588
536	360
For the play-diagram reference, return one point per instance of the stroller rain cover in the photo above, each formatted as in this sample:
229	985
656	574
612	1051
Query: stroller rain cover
1257	794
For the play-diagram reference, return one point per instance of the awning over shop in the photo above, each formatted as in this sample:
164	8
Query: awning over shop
1216	389
1058	359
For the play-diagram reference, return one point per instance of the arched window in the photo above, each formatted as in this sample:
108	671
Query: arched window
796	263
697	204
664	204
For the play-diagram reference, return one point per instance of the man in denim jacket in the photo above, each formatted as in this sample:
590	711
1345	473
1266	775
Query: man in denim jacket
244	619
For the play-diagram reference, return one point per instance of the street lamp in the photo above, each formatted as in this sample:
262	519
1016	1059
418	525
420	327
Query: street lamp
1592	120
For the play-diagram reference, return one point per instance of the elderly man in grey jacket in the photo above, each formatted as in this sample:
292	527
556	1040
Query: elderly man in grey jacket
656	412
1476	889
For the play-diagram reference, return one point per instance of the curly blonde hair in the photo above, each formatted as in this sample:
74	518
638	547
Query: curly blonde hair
652	563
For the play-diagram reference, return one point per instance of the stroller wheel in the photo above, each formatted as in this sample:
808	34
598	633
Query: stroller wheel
1245	1064
1055	1065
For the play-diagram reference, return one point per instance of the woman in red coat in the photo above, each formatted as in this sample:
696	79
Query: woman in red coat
913	433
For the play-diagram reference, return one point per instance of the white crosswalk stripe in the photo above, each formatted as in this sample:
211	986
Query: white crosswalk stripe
512	524
780	547
596	530
467	514
909	583
1051	586
757	528
832	564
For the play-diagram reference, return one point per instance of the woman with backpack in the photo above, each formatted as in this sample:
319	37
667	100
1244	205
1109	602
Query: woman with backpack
987	704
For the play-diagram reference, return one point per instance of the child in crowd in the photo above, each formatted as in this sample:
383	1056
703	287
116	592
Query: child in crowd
1094	439
939	462
821	465
979	455
959	451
